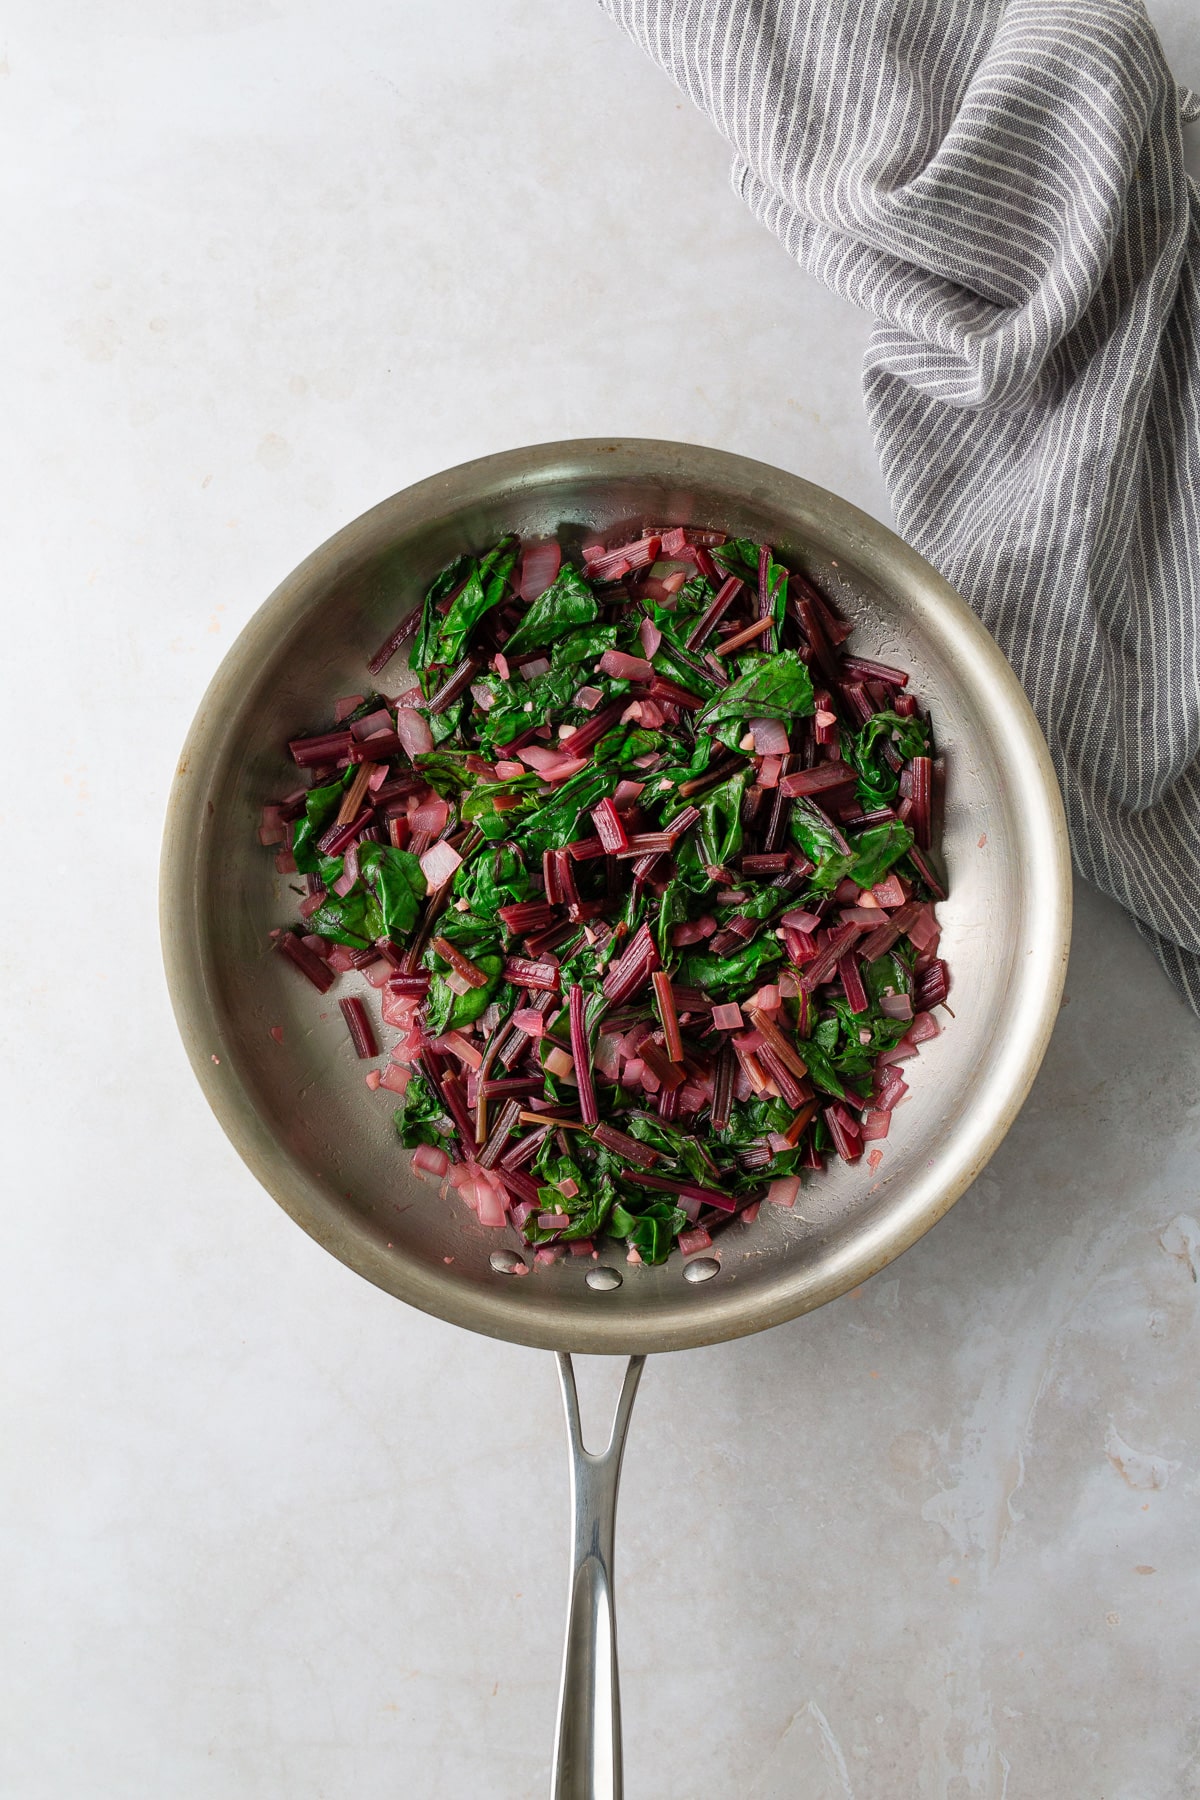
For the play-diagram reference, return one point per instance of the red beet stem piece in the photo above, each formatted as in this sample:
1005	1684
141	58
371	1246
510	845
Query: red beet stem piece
502	1129
586	735
664	999
306	960
455	684
815	781
646	864
631	1148
581	1055
745	636
454	1095
359	1027
687	1190
525	1148
668	1103
662	689
579	911
852	985
794	1093
550	878
518	1184
727	592
311	752
417	985
814	629
376	749
862	668
827	959
462	965
707	566
666	1072
859	701
527	915
536	944
880	941
836	629
722	1100
781	808
632	969
681	823
724	765
609	829
922	794
764	587
845	1132
690	1000
643	842
786	1053
390	645
801	1122
638	555
523	972
339	837
510	1085
932	986
355	794
434	909
923	867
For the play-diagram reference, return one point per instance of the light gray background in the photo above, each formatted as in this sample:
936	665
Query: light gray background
266	1533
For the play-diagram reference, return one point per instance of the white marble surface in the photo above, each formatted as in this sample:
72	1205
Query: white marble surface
265	1531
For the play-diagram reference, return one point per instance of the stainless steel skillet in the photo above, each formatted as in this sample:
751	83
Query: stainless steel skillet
300	1114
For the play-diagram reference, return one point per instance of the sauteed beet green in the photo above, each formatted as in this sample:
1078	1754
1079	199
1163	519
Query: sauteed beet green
639	865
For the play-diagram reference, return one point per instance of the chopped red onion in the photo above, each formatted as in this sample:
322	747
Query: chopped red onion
539	567
412	728
438	864
625	668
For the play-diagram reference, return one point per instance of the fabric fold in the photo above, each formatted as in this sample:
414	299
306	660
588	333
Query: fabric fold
1000	183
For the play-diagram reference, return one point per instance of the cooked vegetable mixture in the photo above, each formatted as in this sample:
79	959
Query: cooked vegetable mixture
640	866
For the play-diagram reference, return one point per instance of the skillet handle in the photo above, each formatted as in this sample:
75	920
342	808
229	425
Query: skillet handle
587	1750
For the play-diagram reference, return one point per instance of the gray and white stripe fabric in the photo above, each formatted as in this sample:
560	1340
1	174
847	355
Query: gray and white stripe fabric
1002	187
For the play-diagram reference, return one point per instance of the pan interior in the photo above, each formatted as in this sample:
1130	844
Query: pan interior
300	1112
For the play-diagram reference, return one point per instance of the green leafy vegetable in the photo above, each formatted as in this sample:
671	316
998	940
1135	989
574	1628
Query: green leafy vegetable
420	1118
493	879
355	920
818	1058
819	842
731	977
583	646
886	975
774	687
320	809
652	1231
448	1011
567	603
399	886
739	556
431	618
720	825
485	588
877	848
878	783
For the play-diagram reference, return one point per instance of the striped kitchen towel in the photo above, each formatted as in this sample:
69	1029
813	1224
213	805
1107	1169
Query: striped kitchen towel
1001	184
